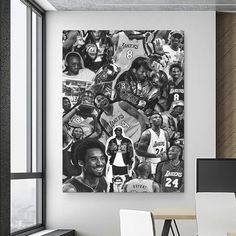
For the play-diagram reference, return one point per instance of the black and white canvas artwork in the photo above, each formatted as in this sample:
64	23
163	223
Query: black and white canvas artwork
123	110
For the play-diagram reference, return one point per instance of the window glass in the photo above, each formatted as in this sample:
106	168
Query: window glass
18	86
26	118
26	202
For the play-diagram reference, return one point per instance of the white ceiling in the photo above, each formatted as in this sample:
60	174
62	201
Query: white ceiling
138	5
45	5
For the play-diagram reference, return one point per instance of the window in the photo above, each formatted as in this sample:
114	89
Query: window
27	111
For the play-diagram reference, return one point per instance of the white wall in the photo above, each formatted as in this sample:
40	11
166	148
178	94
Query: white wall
98	214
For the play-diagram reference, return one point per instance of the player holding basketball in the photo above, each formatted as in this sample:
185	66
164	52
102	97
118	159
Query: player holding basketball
153	143
170	173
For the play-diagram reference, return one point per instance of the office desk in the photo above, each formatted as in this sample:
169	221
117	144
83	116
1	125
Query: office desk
172	214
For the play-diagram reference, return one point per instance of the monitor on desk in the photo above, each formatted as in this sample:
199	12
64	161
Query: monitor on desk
216	175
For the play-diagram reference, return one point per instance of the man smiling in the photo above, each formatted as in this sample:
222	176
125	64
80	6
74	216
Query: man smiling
91	158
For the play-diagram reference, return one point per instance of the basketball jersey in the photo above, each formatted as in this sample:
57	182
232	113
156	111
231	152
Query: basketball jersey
140	186
127	50
176	92
131	125
157	144
80	186
169	176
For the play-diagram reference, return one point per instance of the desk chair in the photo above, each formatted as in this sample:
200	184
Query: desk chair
136	223
216	213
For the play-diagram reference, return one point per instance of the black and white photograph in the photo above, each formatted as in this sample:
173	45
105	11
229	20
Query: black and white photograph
123	111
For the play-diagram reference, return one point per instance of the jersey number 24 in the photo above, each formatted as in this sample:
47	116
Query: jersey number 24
172	182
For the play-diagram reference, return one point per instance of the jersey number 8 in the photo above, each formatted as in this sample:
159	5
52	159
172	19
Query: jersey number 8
129	54
176	97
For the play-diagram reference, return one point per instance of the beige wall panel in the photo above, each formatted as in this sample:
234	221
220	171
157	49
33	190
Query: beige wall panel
226	63
224	132
226	108
225	44
226	85
228	148
224	22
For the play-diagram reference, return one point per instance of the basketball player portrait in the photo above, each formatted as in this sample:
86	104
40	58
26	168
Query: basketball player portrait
153	143
170	173
123	92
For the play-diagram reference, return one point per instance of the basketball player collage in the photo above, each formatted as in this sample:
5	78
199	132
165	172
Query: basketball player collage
123	111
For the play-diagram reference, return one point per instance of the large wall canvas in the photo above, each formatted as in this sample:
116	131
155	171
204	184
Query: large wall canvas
123	110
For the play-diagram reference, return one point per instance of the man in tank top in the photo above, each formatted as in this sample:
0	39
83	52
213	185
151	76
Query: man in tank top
128	46
170	173
122	114
153	143
90	157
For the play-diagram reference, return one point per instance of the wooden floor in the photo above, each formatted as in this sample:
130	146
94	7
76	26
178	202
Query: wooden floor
226	85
